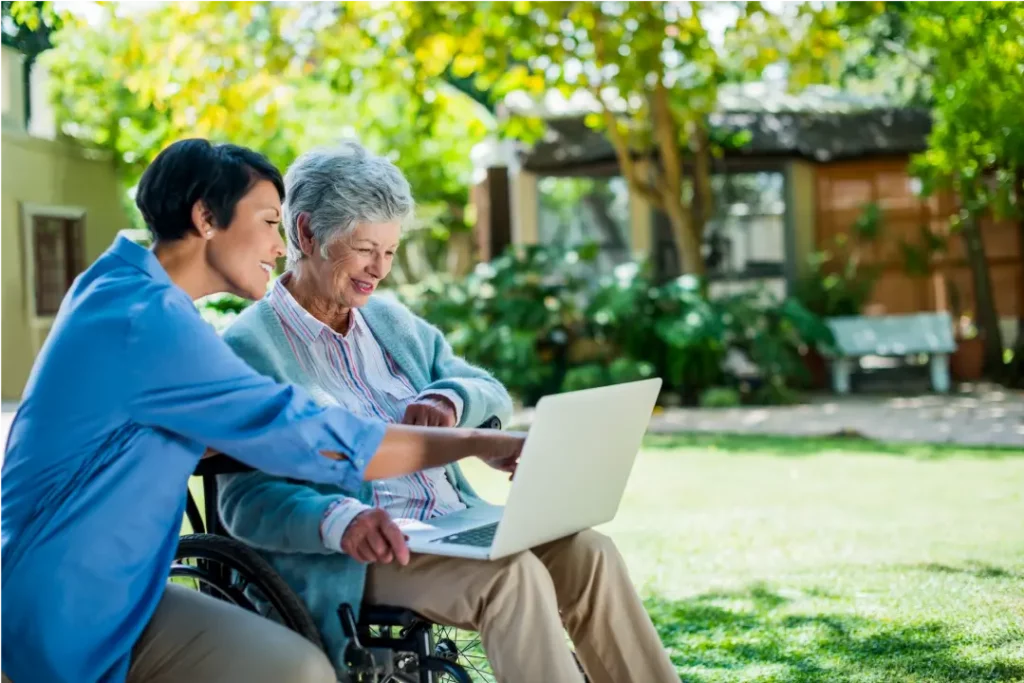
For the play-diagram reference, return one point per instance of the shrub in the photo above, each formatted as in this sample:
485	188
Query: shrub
720	397
537	320
518	315
220	310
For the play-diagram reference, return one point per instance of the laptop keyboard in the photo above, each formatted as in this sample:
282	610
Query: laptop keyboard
480	537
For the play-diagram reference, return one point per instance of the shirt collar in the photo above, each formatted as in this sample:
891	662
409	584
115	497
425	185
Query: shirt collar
140	257
301	320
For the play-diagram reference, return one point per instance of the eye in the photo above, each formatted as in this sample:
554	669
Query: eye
389	254
364	250
273	224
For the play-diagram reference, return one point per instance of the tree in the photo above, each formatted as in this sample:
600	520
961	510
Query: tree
969	56
27	26
279	77
976	147
650	72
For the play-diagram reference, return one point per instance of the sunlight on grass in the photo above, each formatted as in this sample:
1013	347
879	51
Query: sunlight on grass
800	560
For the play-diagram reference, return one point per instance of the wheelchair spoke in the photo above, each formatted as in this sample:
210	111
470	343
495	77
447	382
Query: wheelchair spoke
471	655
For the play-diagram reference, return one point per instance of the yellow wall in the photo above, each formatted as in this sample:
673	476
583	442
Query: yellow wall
801	196
47	173
640	224
524	203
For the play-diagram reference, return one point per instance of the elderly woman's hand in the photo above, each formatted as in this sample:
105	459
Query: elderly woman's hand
430	411
374	537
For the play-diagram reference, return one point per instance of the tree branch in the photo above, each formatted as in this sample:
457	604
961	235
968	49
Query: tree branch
667	136
623	152
625	158
702	177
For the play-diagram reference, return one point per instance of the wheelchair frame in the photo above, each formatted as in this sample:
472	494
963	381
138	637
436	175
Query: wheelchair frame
415	636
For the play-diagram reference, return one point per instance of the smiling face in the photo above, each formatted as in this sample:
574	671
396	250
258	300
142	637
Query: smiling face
245	252
355	264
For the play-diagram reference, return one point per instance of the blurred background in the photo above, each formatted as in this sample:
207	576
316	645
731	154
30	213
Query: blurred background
793	161
807	218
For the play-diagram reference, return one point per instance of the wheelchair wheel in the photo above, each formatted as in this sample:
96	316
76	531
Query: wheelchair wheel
228	570
465	649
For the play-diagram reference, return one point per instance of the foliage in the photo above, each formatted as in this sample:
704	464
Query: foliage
835	281
518	315
134	79
625	327
688	336
967	56
976	146
646	74
720	397
220	310
27	26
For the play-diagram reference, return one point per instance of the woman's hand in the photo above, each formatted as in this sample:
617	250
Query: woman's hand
503	451
430	411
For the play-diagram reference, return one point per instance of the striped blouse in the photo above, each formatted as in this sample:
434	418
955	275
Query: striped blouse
362	377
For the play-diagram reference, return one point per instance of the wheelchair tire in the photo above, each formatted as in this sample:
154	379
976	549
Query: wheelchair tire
226	568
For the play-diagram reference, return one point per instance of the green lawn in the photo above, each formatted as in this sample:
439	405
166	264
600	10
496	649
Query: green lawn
785	560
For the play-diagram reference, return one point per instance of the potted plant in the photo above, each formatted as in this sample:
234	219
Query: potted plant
836	282
967	363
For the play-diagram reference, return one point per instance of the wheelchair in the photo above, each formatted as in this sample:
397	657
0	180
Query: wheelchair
387	644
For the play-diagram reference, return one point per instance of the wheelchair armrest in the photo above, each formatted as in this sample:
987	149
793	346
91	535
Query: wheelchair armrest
491	423
219	464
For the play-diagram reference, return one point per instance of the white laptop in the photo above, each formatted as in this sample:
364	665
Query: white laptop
571	476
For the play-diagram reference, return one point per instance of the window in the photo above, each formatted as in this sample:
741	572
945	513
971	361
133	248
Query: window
575	211
746	236
58	256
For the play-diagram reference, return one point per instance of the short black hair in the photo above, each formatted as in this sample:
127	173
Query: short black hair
195	169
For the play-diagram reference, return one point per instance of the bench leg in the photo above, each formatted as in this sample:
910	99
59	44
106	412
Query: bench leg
939	366
841	369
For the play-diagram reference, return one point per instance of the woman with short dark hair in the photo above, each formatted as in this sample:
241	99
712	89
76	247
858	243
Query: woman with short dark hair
130	390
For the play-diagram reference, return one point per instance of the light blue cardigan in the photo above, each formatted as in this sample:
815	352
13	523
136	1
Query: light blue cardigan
281	518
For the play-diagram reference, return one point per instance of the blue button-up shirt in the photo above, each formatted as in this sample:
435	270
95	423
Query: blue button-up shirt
128	391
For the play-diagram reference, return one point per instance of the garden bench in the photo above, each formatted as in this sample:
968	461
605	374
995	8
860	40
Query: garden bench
892	336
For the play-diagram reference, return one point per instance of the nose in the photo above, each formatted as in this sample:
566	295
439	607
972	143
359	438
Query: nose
376	266
279	249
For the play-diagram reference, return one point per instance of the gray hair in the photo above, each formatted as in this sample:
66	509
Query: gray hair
340	187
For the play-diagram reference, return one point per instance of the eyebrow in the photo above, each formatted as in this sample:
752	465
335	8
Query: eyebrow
373	242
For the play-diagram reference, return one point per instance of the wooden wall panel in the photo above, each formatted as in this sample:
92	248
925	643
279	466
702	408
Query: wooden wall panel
844	188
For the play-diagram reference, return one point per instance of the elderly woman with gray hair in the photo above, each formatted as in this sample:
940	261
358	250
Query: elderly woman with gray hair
323	328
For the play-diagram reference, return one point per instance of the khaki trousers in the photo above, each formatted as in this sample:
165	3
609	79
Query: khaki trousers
522	606
193	638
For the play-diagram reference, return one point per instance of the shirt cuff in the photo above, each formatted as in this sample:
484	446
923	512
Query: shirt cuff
451	396
355	438
336	520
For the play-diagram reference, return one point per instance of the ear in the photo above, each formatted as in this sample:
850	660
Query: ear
307	243
202	220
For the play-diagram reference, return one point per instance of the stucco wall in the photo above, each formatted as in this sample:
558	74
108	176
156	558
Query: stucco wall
801	198
45	173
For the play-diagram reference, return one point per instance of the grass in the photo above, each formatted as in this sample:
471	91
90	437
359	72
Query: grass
811	560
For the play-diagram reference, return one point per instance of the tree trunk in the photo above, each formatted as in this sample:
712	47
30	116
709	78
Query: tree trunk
984	302
687	243
1015	373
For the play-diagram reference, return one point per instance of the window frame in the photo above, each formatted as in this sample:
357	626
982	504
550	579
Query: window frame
661	237
29	213
603	172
